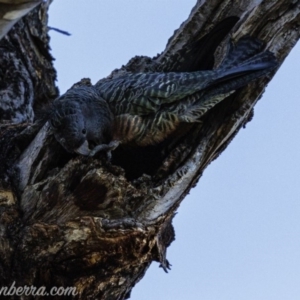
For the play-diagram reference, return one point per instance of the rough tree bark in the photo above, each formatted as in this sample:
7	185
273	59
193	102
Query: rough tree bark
75	221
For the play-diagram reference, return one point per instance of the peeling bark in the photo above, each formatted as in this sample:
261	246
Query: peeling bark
11	11
97	225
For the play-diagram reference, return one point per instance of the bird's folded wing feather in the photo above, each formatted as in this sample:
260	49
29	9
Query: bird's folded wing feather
146	93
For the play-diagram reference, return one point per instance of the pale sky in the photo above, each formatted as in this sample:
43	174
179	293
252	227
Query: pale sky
237	233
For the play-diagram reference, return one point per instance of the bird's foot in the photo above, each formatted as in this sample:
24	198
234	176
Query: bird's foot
165	265
105	147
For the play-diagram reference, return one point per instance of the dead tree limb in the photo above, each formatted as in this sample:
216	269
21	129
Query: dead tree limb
84	222
11	11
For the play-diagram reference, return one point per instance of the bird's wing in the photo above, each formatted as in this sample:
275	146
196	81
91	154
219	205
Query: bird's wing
146	93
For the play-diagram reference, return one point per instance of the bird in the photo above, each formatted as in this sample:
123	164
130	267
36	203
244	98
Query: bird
141	109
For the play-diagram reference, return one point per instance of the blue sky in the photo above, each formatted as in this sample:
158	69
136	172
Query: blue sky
237	233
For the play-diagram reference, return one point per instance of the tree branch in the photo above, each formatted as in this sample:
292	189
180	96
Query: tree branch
69	220
11	11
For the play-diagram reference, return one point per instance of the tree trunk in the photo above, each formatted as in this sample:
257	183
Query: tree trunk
96	225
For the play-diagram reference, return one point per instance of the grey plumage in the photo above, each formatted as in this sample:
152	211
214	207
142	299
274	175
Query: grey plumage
144	108
78	116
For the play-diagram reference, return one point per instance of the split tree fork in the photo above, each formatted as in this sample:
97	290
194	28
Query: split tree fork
69	220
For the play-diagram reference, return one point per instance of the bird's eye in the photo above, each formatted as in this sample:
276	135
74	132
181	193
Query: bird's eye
84	131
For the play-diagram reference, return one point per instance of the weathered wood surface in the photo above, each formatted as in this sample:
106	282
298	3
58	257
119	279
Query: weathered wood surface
69	220
11	11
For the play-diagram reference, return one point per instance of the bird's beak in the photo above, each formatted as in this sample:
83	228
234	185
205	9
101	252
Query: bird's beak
83	149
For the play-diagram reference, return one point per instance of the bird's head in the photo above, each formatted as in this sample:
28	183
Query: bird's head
68	125
80	119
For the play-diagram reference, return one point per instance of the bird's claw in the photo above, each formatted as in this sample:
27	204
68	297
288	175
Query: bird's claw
105	147
166	266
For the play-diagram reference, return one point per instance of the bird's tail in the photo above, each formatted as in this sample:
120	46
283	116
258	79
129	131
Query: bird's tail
243	64
246	48
244	59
